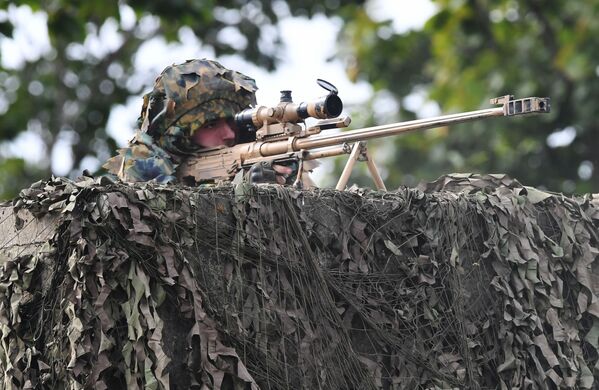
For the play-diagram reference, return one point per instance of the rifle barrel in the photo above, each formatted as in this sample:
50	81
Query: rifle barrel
279	147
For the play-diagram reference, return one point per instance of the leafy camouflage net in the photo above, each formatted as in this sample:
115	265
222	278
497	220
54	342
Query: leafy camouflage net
470	282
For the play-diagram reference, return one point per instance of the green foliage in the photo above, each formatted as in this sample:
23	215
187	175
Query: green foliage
471	51
15	175
6	29
79	88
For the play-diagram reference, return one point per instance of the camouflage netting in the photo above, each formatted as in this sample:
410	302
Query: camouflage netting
471	282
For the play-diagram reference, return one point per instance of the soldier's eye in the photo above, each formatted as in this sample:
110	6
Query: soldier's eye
210	125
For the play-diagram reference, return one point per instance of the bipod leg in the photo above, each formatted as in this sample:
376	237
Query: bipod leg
374	172
349	166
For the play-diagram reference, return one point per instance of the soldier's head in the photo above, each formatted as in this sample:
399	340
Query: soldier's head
192	106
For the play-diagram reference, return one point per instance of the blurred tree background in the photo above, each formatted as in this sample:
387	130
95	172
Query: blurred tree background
469	51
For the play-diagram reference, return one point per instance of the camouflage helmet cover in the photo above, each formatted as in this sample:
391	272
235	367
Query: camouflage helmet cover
189	95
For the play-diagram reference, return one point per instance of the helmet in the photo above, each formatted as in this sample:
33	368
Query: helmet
187	96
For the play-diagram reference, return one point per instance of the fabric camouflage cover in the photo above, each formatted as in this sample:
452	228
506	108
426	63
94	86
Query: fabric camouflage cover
185	97
471	282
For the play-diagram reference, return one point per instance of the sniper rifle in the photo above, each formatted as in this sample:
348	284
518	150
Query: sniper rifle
281	136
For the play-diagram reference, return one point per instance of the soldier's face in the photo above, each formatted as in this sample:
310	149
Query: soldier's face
213	134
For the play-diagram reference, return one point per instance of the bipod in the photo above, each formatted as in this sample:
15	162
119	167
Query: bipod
359	152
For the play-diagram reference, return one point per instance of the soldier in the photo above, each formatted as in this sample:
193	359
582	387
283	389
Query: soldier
190	108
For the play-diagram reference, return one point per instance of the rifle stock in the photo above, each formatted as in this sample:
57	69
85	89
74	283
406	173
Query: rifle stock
222	164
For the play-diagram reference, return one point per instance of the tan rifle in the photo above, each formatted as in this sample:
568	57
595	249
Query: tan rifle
281	136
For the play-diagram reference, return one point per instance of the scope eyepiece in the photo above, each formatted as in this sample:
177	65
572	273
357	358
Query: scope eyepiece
244	120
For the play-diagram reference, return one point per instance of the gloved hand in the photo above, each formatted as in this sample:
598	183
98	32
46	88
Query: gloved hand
267	172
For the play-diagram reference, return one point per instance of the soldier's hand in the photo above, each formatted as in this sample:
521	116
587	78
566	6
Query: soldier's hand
283	172
267	172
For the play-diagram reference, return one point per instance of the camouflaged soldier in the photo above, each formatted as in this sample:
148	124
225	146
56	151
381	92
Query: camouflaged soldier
190	108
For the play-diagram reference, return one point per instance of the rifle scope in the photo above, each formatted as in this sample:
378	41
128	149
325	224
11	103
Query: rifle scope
329	106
